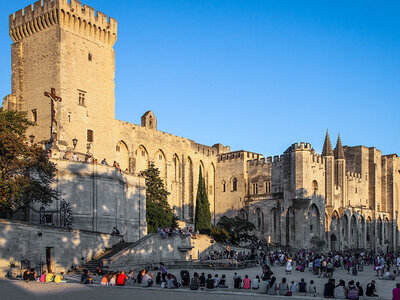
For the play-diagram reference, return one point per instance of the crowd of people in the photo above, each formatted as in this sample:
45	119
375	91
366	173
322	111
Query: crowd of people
30	275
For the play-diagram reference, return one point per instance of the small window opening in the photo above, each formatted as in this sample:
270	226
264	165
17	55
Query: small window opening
81	99
90	56
34	115
90	136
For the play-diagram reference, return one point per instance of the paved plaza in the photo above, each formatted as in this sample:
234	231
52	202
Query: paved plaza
74	290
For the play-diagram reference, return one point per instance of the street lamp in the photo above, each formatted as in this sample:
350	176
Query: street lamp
31	138
74	142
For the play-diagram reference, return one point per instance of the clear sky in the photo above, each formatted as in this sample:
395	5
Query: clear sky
255	75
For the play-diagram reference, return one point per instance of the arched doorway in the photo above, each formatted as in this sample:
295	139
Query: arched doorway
354	242
345	229
334	246
290	227
314	220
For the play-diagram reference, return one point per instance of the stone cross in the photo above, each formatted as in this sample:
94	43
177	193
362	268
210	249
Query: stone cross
54	98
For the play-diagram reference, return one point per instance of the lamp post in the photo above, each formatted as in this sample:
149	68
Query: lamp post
31	139
74	142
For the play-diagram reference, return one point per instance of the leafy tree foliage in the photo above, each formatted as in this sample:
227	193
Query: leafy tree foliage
203	215
238	229
26	174
219	234
158	211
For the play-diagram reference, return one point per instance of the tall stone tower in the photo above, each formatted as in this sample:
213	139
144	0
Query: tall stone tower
68	47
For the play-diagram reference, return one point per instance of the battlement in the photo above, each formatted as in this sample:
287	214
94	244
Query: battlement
46	13
301	146
239	155
353	175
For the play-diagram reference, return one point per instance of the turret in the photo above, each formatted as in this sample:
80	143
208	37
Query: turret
340	169
328	157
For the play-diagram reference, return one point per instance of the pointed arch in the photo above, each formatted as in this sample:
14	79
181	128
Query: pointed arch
160	162
243	214
259	219
345	227
334	221
142	159
354	241
122	155
314	220
234	184
274	223
290	227
211	190
189	188
176	193
379	233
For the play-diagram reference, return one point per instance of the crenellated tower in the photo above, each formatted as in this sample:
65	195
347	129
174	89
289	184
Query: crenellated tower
63	45
328	156
340	170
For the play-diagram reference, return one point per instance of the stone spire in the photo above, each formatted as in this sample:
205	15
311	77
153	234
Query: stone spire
339	153
327	150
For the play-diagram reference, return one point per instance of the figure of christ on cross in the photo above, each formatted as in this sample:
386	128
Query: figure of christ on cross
53	99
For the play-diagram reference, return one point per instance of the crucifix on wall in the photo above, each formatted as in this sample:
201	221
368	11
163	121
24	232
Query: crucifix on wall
53	98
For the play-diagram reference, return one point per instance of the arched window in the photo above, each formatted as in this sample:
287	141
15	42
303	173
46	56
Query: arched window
224	186
315	186
259	219
234	184
242	214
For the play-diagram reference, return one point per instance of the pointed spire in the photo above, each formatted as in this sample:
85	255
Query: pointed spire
327	150
339	153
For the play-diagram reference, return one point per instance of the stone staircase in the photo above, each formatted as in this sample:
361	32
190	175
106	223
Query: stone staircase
91	265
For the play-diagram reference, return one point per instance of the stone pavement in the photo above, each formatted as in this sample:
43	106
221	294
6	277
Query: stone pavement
73	290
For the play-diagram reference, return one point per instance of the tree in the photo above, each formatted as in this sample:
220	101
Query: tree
238	229
219	234
158	211
203	215
26	174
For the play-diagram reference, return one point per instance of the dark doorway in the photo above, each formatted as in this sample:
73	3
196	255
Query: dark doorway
49	258
333	243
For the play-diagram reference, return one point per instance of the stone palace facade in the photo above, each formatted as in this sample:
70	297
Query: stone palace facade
348	197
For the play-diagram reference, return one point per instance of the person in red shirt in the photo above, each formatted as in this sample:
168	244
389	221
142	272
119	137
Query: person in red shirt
396	292
121	279
246	282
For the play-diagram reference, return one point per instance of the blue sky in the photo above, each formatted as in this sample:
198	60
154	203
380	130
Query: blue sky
255	75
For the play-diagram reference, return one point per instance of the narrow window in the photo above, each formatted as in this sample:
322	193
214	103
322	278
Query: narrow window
34	115
90	136
90	56
268	187
234	185
82	98
224	186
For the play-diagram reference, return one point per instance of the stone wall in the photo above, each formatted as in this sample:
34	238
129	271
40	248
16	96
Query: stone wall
154	249
24	241
101	198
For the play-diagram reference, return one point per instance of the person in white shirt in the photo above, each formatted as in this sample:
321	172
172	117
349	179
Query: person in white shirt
256	283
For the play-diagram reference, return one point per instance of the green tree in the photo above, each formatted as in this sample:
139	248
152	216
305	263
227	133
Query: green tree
26	174
219	234
158	211
238	229
203	215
